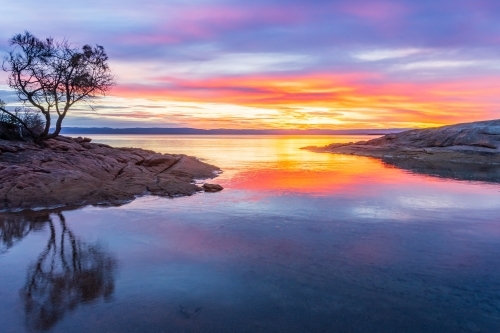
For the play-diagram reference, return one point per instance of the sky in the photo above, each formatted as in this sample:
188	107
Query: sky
334	64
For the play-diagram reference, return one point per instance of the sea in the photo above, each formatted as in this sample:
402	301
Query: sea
297	241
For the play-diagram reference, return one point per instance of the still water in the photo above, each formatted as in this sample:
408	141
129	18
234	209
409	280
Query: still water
296	242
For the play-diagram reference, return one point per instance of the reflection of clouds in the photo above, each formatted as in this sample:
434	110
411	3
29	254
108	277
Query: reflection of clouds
380	212
380	248
429	202
339	175
450	201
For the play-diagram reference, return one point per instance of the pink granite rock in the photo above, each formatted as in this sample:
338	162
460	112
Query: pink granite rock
71	172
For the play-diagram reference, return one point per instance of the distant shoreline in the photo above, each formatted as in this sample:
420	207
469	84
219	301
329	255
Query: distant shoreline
195	131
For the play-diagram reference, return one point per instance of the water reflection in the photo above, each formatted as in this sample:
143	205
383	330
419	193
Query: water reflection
14	228
67	273
450	170
297	242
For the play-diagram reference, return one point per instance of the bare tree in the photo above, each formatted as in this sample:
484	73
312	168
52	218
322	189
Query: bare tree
52	76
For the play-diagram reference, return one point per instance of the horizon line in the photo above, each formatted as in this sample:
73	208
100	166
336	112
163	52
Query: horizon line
194	131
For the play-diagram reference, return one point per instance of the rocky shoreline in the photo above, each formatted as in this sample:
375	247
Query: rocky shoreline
70	172
468	151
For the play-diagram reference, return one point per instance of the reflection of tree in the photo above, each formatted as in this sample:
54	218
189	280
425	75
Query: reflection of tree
68	272
15	227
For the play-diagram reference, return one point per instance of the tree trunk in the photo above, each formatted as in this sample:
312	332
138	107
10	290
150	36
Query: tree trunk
58	128
45	133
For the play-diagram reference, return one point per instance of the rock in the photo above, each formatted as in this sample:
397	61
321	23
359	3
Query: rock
159	159
64	139
81	140
8	148
472	143
479	134
212	187
74	172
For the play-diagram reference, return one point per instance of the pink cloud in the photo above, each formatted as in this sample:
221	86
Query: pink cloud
378	11
379	99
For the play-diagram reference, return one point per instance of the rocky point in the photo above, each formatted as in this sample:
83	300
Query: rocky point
473	143
72	172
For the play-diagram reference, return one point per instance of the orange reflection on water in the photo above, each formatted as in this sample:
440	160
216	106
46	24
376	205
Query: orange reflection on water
271	164
305	172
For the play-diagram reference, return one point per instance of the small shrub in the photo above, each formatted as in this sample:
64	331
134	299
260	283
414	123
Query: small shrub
11	127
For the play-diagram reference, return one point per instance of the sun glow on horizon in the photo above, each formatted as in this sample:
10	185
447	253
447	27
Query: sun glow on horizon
327	101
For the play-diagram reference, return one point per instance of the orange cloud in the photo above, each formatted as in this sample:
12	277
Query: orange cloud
353	100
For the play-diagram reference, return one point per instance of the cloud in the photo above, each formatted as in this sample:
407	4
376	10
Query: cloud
377	11
435	64
7	96
327	99
328	63
240	63
384	54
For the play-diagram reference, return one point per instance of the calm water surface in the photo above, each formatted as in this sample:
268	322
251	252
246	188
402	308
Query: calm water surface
297	242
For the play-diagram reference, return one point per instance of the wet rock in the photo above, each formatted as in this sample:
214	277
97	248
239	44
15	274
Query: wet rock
72	172
212	187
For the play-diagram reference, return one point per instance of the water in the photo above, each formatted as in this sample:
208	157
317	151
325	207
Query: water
297	242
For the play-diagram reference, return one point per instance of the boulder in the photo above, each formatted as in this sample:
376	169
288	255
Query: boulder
81	140
212	187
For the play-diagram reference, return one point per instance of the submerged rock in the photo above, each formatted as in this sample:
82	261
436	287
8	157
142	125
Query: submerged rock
71	172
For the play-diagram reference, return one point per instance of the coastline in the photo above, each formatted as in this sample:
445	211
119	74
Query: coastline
476	143
469	151
73	172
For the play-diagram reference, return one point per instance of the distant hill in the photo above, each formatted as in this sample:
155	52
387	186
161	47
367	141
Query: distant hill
222	131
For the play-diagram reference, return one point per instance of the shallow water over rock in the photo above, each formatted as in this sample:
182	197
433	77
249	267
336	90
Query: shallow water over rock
297	242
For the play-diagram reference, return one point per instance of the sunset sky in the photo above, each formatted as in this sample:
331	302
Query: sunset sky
280	64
